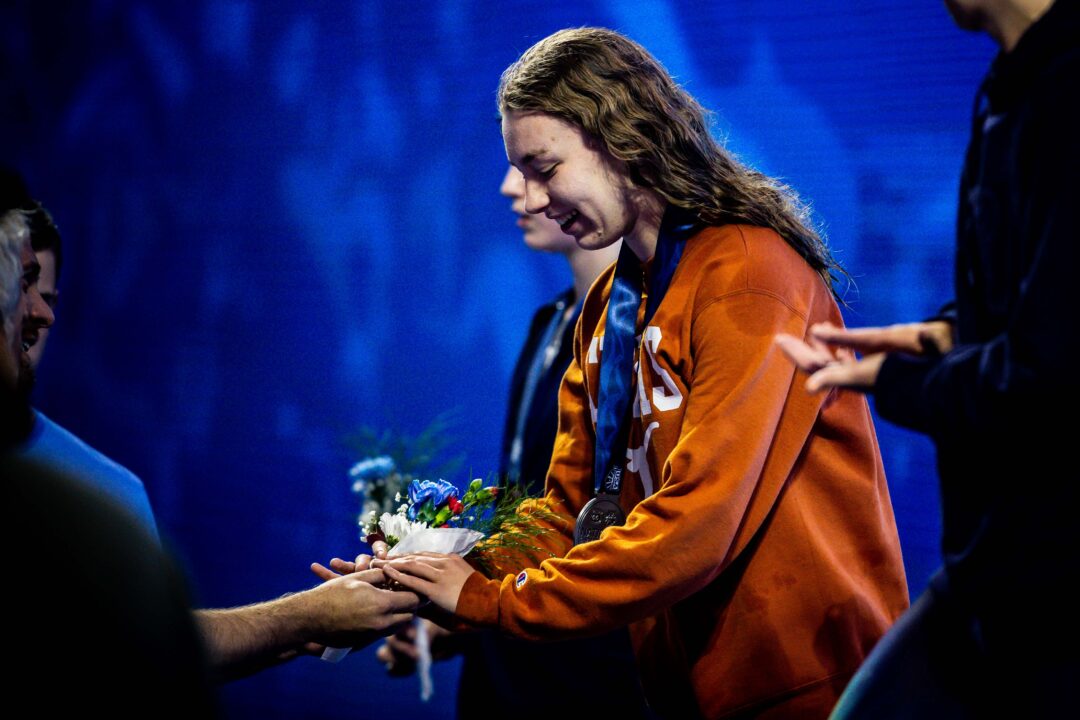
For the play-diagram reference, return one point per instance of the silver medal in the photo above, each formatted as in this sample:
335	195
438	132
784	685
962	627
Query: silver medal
599	513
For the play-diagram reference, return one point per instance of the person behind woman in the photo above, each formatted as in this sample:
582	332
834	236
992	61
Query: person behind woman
758	560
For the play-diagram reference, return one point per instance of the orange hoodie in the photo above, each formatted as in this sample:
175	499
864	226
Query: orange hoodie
759	562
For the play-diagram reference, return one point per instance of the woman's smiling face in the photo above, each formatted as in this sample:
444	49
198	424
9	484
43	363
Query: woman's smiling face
570	178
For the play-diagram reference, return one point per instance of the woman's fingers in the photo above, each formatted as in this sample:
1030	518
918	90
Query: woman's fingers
410	582
417	568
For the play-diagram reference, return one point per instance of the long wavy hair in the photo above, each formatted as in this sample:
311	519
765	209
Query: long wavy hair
618	92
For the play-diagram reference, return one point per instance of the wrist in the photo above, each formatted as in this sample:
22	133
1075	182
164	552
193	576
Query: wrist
296	620
478	601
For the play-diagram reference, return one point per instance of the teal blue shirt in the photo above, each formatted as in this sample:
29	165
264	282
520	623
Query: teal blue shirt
51	445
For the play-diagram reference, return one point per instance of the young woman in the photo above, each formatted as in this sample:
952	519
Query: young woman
740	525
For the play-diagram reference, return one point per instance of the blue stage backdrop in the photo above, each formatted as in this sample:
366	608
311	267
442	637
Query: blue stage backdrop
282	222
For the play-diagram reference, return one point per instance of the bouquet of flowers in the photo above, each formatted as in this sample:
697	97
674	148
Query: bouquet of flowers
413	514
398	500
435	516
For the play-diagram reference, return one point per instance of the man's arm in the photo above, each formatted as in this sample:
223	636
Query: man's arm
1029	365
828	352
346	611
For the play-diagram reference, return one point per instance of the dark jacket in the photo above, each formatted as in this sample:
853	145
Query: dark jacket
1008	478
541	416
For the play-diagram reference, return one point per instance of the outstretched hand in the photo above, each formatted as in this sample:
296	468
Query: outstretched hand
352	610
919	338
829	354
437	576
339	567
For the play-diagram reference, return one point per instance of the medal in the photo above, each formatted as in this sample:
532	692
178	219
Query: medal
601	512
615	394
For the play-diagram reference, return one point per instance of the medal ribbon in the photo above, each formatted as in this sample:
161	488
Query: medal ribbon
620	334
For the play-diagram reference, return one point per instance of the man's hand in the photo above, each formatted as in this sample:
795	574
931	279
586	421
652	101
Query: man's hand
920	338
438	577
339	567
345	611
829	356
350	610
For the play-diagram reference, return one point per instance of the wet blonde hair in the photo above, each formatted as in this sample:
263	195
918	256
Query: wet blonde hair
617	92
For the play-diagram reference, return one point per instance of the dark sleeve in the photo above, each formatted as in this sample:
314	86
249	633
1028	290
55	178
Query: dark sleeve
109	621
1025	369
946	313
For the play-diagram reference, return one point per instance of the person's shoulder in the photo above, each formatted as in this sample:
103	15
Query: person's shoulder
543	314
53	443
732	260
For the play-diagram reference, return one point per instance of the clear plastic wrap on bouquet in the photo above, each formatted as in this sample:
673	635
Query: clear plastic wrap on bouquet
450	541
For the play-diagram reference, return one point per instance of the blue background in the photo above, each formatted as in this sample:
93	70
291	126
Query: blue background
281	223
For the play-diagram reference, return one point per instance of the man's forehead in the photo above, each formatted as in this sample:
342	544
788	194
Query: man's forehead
29	259
46	258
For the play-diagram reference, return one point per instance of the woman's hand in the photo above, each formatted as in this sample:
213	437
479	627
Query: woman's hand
439	577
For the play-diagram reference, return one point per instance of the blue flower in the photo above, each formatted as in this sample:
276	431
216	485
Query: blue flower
421	490
372	467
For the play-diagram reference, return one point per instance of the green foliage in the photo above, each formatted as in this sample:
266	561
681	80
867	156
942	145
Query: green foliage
512	532
424	455
392	461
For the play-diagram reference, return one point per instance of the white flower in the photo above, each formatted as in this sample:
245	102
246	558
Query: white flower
398	526
367	520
